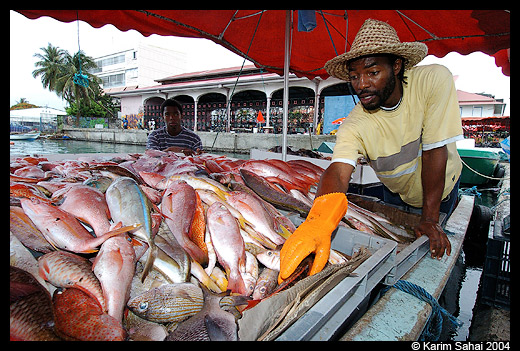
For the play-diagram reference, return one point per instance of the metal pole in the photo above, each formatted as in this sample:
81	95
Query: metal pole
287	59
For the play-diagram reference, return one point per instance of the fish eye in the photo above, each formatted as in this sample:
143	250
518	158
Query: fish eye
269	253
143	306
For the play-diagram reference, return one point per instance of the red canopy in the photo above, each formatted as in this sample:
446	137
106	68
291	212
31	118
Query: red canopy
258	35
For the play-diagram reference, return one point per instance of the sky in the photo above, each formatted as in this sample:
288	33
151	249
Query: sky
476	72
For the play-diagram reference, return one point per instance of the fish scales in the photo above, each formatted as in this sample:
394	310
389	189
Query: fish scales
228	244
31	313
128	204
79	317
66	270
168	303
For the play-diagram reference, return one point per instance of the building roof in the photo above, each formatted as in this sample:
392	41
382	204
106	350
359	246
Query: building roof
208	74
466	98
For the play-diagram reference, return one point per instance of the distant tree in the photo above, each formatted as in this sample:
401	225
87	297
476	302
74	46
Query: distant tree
49	66
66	87
57	69
22	104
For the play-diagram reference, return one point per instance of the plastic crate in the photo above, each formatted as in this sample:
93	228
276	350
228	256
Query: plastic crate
496	280
347	301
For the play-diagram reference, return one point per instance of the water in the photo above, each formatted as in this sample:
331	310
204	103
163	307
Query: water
47	146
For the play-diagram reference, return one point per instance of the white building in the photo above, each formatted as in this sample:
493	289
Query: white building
479	105
138	67
42	118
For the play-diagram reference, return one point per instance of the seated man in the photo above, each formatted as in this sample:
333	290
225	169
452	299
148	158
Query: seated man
173	136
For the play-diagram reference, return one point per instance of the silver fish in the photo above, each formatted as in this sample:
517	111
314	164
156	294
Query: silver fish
265	284
128	204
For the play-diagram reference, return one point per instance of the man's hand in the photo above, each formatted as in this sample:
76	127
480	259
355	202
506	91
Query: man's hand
439	242
186	151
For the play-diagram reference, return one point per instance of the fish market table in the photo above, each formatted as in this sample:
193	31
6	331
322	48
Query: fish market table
400	316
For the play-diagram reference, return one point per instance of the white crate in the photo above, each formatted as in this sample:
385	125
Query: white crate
334	310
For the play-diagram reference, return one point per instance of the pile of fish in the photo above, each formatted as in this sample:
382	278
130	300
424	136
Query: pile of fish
152	246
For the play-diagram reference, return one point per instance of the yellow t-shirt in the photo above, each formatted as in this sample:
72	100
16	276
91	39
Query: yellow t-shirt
392	141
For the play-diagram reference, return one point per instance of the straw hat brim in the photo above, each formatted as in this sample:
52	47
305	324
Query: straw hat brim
411	52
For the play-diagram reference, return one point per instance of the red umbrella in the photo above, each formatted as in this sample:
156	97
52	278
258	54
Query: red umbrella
272	40
259	35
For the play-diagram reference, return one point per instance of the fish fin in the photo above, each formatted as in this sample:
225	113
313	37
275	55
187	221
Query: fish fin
216	330
284	232
135	242
149	262
89	293
118	231
43	270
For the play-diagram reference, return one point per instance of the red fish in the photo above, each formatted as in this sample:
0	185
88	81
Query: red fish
67	270
228	244
115	267
31	314
23	190
24	229
79	317
178	205
62	229
89	206
198	227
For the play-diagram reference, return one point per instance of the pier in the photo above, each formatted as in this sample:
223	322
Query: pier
211	141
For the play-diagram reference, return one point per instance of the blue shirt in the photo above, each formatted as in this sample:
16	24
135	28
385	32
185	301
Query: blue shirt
160	139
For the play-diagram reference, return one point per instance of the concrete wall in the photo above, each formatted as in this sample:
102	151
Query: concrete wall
211	141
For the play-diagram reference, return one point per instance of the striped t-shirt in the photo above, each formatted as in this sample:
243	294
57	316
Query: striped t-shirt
428	117
160	139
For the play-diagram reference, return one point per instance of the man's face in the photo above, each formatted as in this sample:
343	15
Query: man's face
172	119
374	81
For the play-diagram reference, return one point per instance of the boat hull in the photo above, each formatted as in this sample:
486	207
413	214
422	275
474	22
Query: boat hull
24	136
482	161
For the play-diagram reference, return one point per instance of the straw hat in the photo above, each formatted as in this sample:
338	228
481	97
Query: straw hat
376	37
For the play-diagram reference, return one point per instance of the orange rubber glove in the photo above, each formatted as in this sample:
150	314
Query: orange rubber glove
313	235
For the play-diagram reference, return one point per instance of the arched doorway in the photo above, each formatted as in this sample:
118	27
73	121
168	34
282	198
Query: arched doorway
301	110
211	112
245	106
152	112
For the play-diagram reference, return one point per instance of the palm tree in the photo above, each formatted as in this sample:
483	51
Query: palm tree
49	65
79	63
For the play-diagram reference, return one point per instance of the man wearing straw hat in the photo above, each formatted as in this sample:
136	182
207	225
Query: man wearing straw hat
405	125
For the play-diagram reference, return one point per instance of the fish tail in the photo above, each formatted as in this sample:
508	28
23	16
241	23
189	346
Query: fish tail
150	260
236	283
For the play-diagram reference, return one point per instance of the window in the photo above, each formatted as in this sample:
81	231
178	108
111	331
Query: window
115	80
131	73
477	111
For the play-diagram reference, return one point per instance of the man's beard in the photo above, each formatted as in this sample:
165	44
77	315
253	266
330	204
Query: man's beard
382	95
